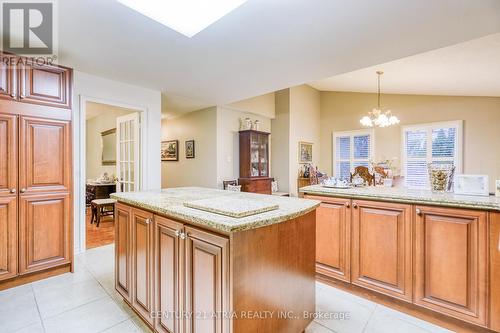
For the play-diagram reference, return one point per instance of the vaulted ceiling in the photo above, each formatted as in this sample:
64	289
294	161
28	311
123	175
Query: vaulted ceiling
264	45
470	68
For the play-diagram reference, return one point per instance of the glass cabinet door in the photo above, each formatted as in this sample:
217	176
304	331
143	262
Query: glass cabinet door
263	156
254	155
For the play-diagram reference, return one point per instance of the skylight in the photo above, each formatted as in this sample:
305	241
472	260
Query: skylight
185	16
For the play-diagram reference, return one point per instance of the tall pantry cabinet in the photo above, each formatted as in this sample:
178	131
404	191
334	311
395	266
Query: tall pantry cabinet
35	171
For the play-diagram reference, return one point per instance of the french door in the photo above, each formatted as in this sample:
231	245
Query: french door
127	152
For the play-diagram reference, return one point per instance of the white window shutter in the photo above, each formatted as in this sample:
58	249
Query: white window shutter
434	143
352	149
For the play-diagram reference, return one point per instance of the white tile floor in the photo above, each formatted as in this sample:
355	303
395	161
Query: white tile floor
87	302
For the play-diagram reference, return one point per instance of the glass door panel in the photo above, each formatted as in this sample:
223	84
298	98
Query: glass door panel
254	155
127	152
263	156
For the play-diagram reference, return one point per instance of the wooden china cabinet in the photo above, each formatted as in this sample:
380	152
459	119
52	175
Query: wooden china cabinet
254	162
35	171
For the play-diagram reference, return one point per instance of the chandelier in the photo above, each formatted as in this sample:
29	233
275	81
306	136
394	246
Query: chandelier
378	116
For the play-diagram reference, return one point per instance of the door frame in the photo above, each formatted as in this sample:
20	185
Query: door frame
80	176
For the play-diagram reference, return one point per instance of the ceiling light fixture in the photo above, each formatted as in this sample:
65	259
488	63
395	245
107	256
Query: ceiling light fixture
185	16
378	116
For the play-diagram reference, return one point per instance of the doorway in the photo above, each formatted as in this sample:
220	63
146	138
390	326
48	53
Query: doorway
112	163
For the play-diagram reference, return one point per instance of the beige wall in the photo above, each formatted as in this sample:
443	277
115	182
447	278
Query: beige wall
215	131
106	120
228	156
304	126
261	105
297	119
341	111
200	126
280	140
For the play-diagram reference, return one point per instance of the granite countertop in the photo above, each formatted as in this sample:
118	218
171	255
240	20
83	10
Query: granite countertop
411	196
170	202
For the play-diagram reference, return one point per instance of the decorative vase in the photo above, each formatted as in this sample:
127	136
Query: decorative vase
248	124
256	125
440	176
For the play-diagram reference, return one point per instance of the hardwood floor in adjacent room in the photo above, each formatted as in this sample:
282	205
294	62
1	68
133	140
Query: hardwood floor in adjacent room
101	236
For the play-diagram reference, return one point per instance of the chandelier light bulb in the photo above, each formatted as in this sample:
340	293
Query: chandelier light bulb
393	120
377	116
366	121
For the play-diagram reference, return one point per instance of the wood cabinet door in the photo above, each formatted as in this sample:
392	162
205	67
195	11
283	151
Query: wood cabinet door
123	251
8	78
8	155
168	274
381	248
45	155
207	281
44	231
451	262
495	271
46	85
8	237
333	237
142	263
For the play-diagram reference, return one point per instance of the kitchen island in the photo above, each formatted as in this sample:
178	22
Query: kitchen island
424	250
204	260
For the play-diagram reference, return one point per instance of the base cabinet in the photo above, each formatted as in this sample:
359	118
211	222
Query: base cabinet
168	275
44	231
123	253
451	262
8	237
381	248
434	257
495	271
172	271
207	279
142	263
256	185
333	238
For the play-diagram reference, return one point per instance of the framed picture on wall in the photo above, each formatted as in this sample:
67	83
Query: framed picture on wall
190	149
170	150
305	152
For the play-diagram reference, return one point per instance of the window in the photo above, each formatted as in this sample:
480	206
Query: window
351	149
430	143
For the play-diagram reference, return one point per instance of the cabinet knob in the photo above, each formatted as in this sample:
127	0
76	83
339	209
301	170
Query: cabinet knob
22	190
418	211
177	233
347	205
183	235
13	95
13	191
148	221
354	205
